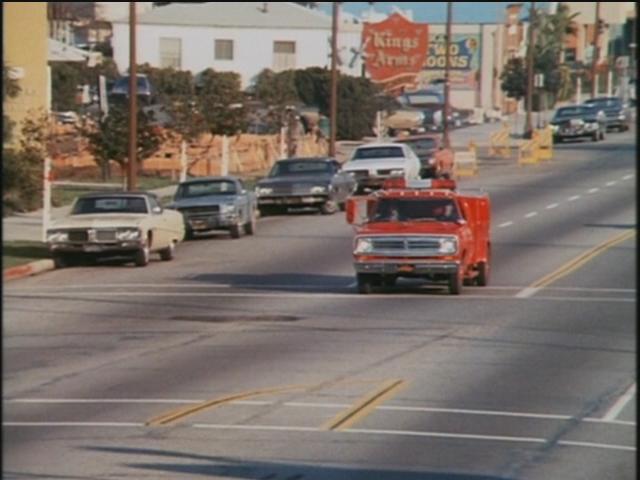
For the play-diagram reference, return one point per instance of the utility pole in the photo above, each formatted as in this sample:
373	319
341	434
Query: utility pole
133	101
334	78
447	81
528	124
596	53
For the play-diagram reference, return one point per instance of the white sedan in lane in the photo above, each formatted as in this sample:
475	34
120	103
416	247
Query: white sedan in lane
373	163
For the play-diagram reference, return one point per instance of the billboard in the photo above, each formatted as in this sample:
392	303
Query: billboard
395	51
464	66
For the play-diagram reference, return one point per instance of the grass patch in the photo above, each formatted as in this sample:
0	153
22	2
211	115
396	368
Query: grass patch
16	253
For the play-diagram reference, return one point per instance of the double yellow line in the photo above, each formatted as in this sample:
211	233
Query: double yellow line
581	260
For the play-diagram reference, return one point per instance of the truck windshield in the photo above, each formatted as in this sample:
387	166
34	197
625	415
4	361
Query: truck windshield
415	210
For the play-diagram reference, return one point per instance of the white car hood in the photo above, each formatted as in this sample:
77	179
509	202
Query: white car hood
102	220
375	164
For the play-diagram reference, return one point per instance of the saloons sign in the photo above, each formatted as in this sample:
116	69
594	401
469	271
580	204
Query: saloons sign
395	51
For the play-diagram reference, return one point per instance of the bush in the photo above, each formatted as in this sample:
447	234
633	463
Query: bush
21	181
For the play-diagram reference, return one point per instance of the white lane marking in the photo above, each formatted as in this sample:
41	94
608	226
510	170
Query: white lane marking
617	408
337	406
552	206
611	184
531	215
300	296
609	422
597	445
527	292
574	198
505	224
100	400
72	424
463	436
628	177
594	190
257	427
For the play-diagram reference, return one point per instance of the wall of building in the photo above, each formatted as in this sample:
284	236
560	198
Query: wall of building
25	33
253	48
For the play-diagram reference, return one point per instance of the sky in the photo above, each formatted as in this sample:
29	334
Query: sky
436	12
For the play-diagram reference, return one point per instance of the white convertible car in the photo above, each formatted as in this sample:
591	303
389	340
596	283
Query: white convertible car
123	224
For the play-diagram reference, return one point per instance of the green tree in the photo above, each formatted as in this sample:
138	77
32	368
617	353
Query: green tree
66	77
22	167
514	79
221	101
278	91
109	139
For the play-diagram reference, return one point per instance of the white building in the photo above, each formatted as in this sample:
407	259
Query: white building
242	37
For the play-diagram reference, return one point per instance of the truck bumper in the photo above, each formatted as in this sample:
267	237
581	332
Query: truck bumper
407	268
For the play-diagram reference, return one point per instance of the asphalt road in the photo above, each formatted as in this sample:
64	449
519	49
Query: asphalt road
256	359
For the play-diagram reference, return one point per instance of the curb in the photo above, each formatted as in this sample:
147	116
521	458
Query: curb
22	271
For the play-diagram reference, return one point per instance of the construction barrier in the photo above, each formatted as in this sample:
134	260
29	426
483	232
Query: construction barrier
500	143
465	163
528	152
544	137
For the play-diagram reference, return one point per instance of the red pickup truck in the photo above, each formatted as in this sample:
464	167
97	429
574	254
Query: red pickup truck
421	229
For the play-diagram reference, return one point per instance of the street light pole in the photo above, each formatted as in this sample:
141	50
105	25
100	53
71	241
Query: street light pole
447	82
596	53
528	124
133	101
334	79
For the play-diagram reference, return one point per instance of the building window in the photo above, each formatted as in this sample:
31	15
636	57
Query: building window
171	53
224	50
284	56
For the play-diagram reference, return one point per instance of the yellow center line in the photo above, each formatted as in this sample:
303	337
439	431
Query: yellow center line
581	260
180	413
364	406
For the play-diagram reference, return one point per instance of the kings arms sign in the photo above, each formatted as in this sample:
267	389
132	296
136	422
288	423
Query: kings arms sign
395	51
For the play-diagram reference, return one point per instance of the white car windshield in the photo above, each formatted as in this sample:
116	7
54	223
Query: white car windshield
94	205
378	152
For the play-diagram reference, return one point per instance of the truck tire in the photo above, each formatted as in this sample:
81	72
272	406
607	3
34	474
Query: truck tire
366	282
168	254
141	257
329	207
236	230
482	280
455	283
252	225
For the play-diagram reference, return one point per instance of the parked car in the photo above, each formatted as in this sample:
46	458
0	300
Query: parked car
216	203
120	90
429	149
305	182
618	115
578	121
122	224
371	164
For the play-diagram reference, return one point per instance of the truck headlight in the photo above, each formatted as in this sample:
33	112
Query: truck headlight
622	116
398	172
264	191
448	246
363	245
227	208
127	234
318	189
57	236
